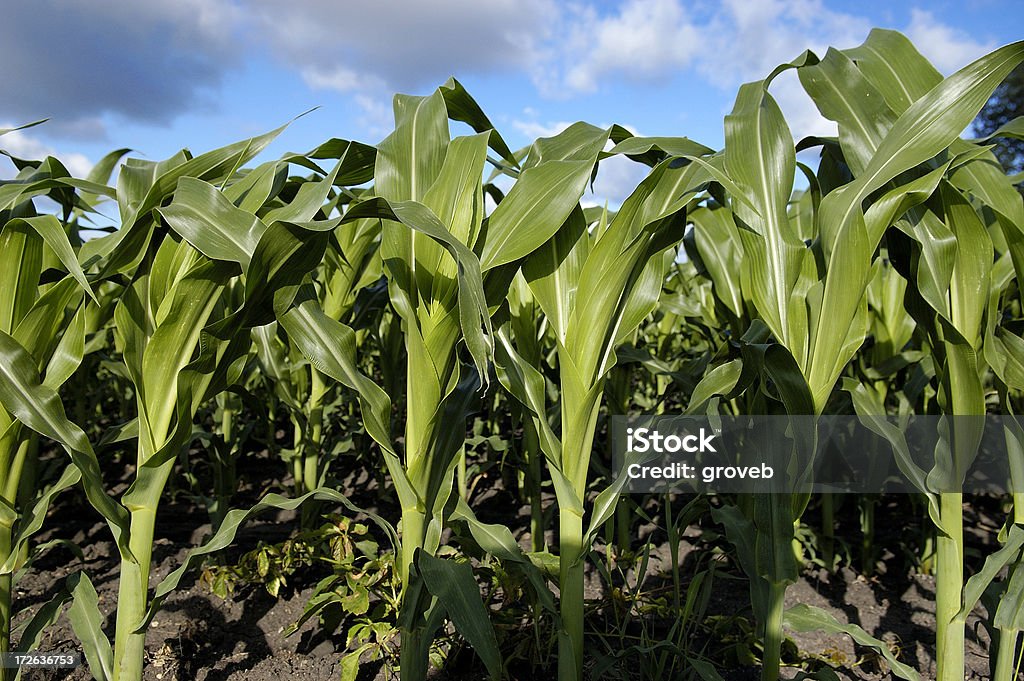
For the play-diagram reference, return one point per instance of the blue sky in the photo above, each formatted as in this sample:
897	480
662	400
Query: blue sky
160	75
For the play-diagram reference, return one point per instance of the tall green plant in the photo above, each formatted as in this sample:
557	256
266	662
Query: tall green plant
913	124
812	299
181	340
42	340
448	266
43	330
595	287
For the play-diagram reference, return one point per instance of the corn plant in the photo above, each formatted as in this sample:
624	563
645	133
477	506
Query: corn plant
923	127
180	341
595	288
957	291
430	192
791	289
42	337
351	263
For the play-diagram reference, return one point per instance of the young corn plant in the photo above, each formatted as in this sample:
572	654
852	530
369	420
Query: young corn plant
527	334
429	192
792	286
181	341
595	288
925	124
1004	351
940	286
351	264
42	341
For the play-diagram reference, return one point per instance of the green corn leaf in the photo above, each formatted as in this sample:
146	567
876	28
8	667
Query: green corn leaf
308	201
604	506
252	191
843	94
102	170
557	172
897	201
553	271
1014	129
67	356
40	329
895	68
969	286
527	385
761	159
39	407
285	255
872	412
456	199
739	530
672	146
142	186
174	341
926	127
472	302
31	518
497	540
1004	352
842	322
719	248
410	159
462	107
207	219
803	617
21	263
4	131
1009	552
45	617
330	346
87	623
359	160
773	518
721	380
456	589
1010	611
52	232
612	274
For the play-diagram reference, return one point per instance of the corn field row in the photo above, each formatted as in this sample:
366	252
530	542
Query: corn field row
442	312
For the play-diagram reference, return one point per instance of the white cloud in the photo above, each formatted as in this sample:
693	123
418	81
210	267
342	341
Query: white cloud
948	48
617	177
646	40
651	41
533	129
75	61
751	38
801	114
152	61
22	145
340	78
401	45
376	115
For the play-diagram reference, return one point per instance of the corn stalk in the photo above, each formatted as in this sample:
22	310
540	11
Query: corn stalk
595	288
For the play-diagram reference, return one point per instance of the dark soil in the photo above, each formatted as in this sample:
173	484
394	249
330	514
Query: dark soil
200	636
